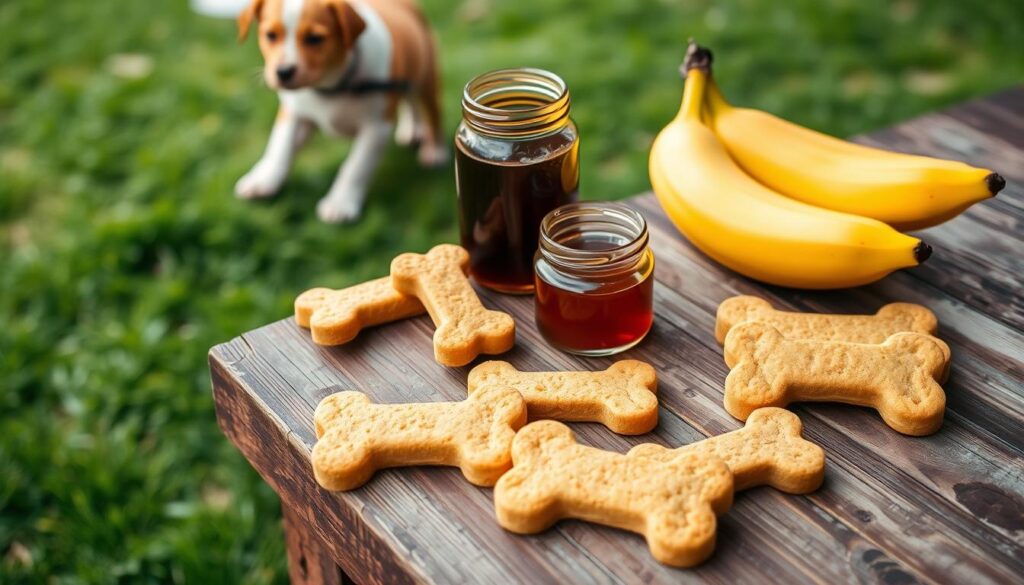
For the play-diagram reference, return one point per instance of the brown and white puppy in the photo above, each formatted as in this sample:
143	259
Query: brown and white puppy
349	68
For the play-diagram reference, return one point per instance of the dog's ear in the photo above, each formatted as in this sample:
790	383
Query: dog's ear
245	18
352	25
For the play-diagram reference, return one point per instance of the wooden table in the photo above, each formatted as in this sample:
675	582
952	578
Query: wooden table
893	509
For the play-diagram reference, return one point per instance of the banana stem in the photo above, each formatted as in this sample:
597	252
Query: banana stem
696	68
716	101
693	95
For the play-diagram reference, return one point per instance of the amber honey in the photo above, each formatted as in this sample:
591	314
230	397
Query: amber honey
594	277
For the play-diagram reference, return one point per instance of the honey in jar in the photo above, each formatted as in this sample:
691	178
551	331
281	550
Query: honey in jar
516	159
594	275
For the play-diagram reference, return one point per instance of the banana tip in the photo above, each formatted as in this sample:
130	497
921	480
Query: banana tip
995	183
697	57
922	252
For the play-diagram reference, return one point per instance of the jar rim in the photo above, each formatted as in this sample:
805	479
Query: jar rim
623	220
548	109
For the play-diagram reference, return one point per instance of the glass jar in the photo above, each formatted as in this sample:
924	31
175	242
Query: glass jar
594	274
516	159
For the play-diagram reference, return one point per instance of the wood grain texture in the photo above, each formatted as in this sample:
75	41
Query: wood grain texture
893	509
309	563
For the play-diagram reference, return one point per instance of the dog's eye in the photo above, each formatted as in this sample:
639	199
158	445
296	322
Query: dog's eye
271	35
313	39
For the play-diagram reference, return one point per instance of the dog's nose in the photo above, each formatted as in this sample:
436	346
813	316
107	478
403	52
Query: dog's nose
286	72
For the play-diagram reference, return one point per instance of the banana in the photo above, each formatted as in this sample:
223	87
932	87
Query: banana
752	229
905	191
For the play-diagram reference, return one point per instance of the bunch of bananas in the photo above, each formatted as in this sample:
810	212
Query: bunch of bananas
790	206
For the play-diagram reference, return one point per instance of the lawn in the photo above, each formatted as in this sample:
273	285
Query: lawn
124	255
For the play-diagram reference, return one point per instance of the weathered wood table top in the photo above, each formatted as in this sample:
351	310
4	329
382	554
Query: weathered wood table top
893	509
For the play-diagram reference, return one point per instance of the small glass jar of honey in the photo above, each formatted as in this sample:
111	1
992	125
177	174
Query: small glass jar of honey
516	159
594	277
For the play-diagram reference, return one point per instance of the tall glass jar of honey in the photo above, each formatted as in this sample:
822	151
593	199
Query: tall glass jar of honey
516	159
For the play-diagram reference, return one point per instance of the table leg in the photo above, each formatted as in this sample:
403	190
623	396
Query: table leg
309	563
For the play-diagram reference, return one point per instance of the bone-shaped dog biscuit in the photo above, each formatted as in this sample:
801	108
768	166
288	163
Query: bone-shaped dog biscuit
898	378
357	437
620	397
672	503
889	320
767	451
465	329
336	316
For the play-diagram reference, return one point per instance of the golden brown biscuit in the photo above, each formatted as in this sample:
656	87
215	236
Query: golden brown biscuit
336	316
672	503
465	329
897	378
621	397
767	451
890	319
357	437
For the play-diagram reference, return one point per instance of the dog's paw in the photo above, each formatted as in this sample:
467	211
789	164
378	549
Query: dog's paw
261	181
406	133
432	155
332	209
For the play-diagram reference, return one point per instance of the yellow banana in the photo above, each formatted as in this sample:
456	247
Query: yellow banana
754	230
905	191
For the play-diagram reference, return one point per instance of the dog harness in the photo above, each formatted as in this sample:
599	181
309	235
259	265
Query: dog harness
348	85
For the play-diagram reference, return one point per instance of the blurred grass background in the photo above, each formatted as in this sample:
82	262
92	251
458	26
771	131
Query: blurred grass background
124	255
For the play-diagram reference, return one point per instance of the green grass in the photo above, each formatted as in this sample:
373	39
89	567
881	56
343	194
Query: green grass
124	255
